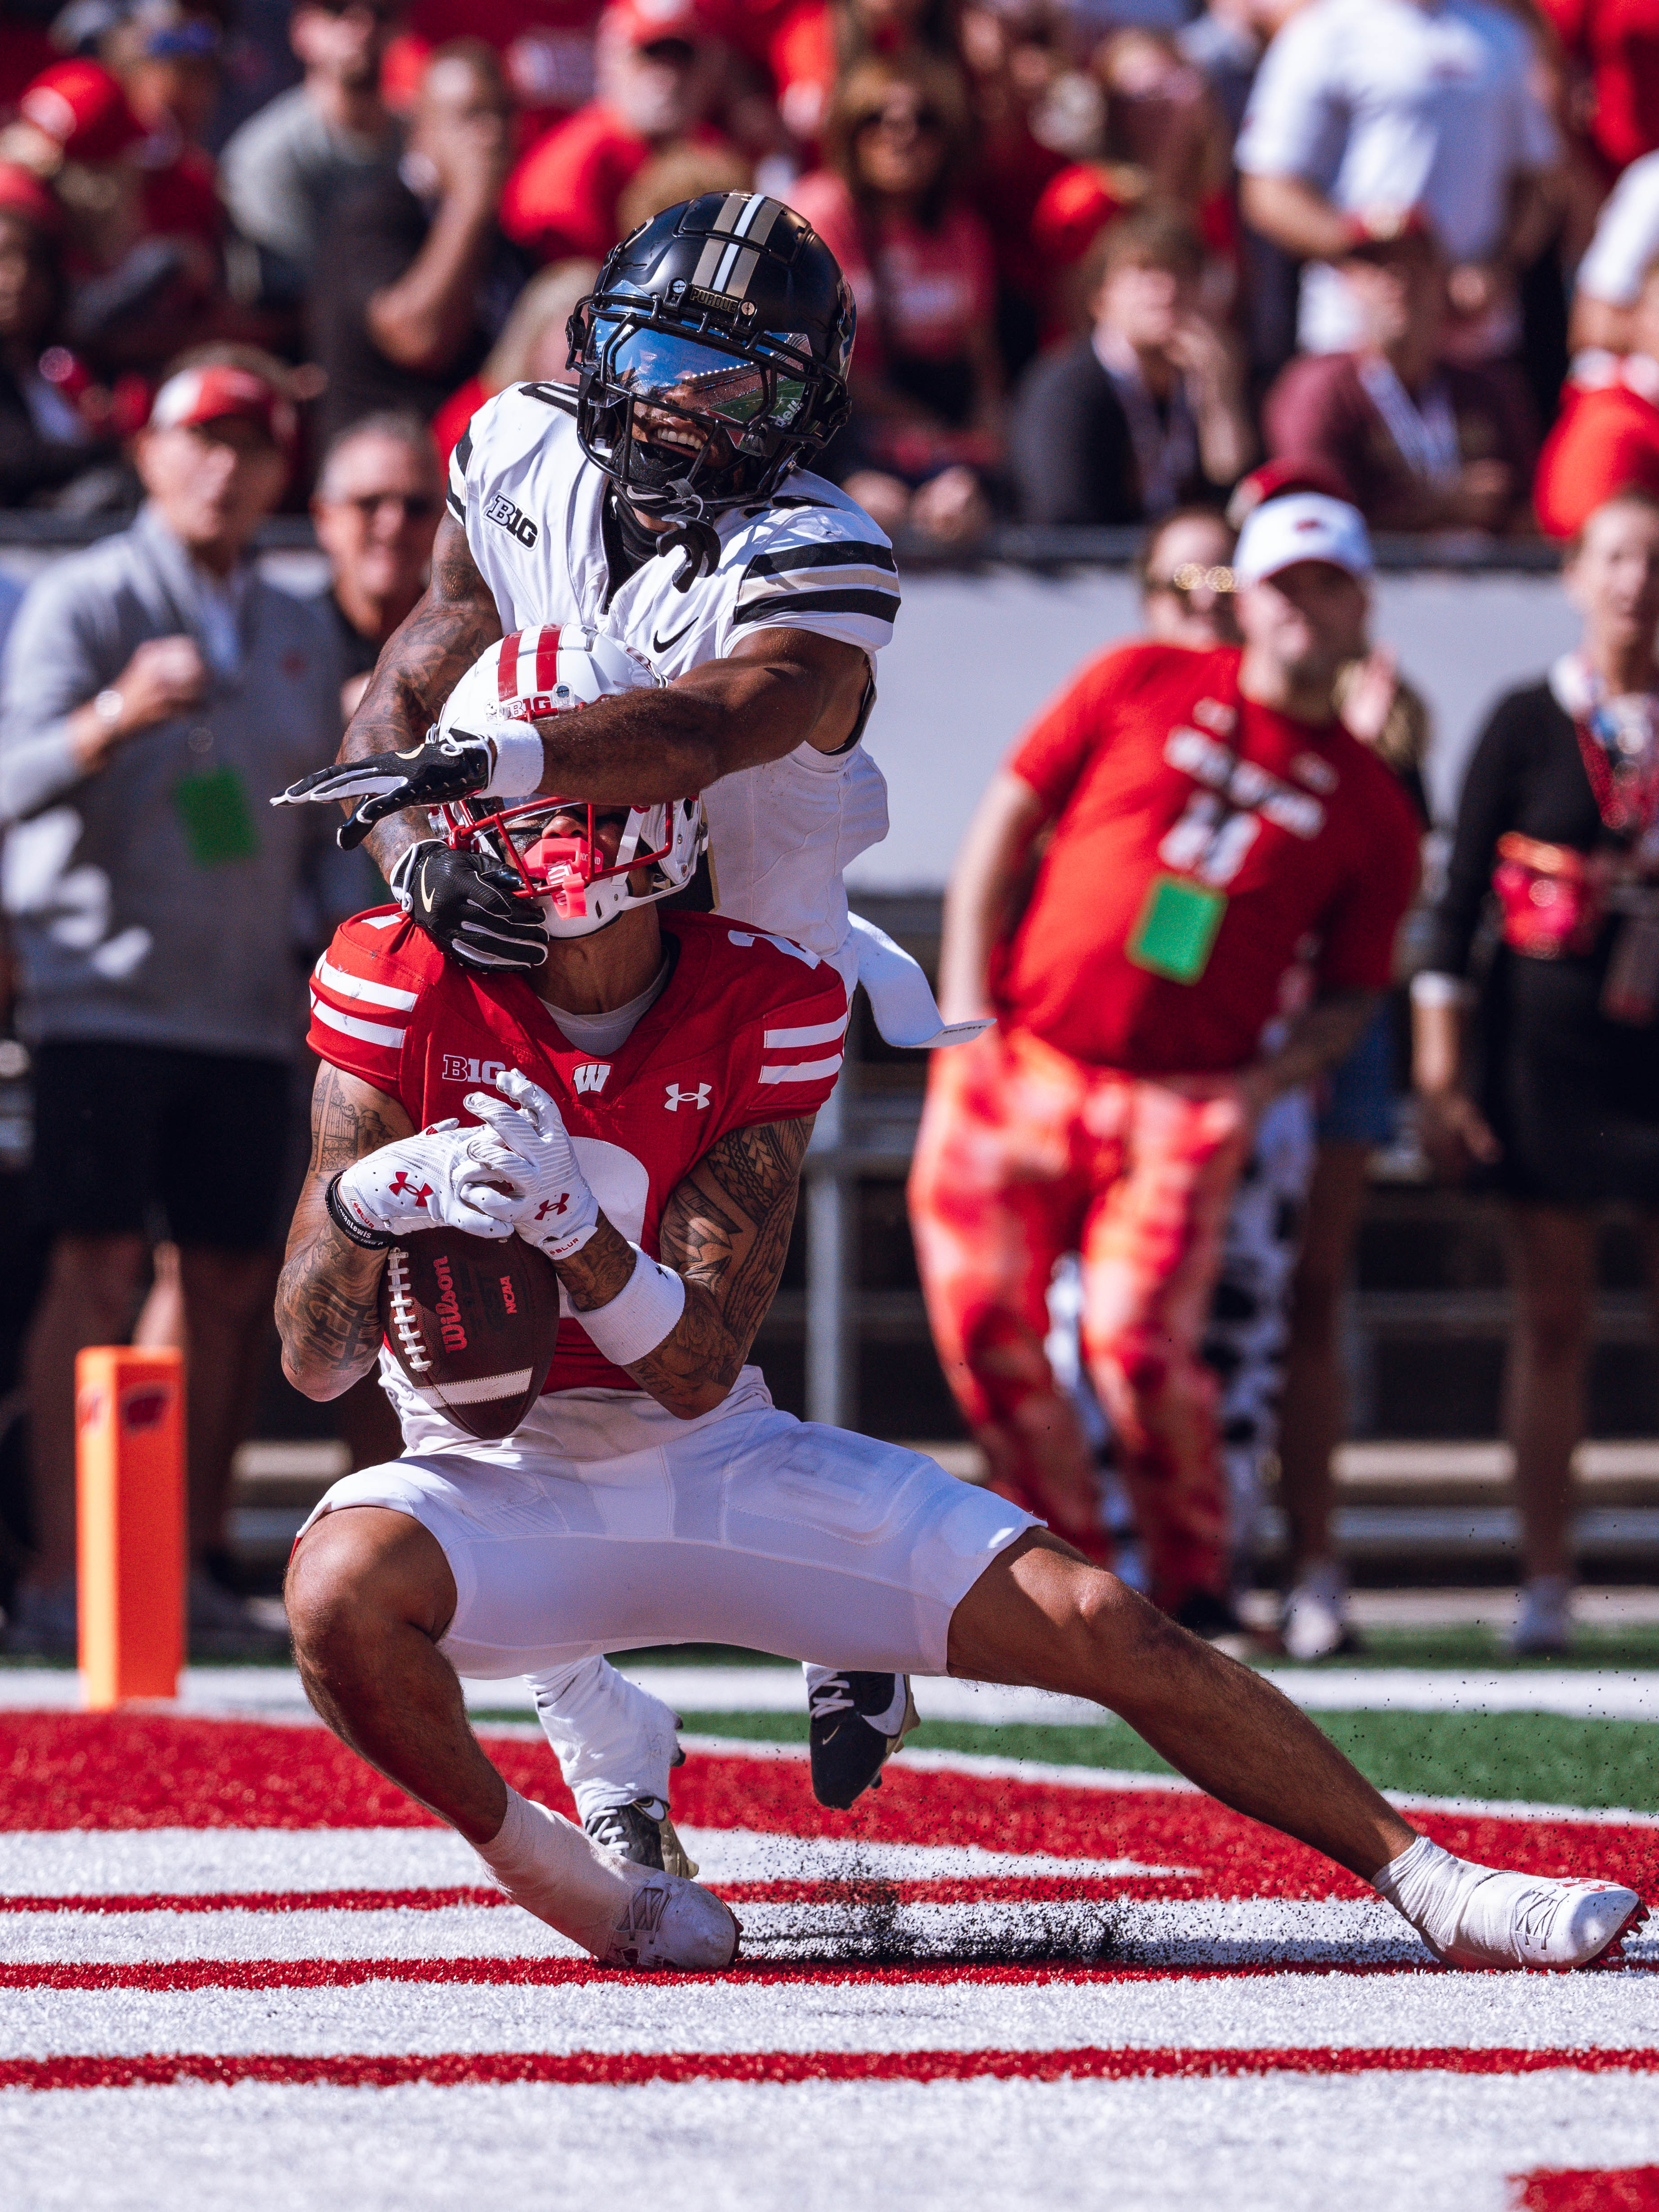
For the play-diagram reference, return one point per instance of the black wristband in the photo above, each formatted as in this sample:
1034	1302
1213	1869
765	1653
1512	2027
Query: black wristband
371	1240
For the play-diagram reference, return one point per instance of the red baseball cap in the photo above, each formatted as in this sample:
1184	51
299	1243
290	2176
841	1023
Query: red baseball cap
83	107
210	393
1274	479
643	22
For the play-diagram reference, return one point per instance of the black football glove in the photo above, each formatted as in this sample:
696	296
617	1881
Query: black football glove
465	904
427	775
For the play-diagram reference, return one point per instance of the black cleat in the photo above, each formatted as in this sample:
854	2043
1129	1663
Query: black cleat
641	1833
859	1721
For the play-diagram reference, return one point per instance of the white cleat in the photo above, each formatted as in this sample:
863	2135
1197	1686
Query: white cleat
672	1923
1531	1920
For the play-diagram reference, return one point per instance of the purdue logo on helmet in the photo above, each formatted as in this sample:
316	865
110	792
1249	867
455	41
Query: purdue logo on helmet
713	355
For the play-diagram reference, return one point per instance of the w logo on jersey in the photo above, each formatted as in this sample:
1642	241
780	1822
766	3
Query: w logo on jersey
591	1075
676	1097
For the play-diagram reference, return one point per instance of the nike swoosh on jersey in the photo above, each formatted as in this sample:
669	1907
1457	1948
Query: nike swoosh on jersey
662	644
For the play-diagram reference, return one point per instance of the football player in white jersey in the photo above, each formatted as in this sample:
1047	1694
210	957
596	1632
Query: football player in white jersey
663	503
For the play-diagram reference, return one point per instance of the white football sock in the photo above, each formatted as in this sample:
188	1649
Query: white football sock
1428	1886
545	1864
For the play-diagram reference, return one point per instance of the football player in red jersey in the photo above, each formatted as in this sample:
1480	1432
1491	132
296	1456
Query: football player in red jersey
655	1494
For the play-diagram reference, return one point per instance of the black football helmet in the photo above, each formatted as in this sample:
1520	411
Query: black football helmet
712	354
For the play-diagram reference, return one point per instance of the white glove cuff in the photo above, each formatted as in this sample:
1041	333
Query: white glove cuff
519	762
645	1310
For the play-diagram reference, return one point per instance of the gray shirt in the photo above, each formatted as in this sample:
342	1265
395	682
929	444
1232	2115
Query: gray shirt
161	900
286	170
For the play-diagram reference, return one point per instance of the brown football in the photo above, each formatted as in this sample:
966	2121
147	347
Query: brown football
473	1321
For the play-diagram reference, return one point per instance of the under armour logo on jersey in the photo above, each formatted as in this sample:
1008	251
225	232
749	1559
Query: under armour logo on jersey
591	1075
554	1206
499	509
676	1097
403	1187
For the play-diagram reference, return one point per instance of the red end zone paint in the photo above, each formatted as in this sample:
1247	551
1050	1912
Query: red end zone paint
1611	2189
627	2069
117	1771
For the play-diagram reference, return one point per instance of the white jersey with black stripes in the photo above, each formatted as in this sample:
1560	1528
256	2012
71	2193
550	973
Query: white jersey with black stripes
780	835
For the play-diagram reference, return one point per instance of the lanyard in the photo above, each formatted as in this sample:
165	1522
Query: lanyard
1424	431
1619	744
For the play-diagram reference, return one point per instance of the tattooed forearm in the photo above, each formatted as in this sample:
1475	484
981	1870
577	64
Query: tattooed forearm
421	664
328	1296
726	1229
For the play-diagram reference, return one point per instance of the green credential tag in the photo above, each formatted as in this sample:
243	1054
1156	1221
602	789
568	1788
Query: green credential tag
1175	928
218	823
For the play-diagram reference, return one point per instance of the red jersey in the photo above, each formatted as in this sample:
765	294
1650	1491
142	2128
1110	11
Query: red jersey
1150	763
749	1028
1606	438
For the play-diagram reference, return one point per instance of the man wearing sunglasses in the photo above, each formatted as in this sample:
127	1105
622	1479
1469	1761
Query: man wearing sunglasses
379	495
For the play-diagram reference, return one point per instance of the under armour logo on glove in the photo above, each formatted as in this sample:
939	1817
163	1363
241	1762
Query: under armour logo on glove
561	1205
402	1186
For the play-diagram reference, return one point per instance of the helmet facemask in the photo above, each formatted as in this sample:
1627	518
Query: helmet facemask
578	889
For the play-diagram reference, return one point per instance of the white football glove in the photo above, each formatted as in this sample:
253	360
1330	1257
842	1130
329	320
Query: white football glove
552	1205
437	1180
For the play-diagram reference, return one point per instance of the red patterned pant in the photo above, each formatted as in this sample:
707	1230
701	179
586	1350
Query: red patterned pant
1024	1155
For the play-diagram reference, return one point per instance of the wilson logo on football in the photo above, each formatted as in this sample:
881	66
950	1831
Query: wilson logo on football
591	1076
448	1309
676	1097
458	1069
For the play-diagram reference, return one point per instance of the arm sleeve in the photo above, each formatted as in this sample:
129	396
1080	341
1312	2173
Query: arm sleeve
1626	237
364	995
1490	805
1359	933
797	1041
1296	120
1051	755
62	652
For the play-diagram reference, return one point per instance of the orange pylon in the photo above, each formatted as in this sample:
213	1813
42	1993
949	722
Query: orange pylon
130	1464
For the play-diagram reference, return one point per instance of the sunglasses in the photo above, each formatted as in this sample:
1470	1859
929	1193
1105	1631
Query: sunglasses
899	118
417	507
1192	576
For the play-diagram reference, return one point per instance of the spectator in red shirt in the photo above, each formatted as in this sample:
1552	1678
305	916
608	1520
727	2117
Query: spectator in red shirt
1617	43
1422	443
1209	814
1605	439
657	79
927	377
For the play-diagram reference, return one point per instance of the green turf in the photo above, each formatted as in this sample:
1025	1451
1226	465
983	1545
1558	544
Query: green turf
1539	1756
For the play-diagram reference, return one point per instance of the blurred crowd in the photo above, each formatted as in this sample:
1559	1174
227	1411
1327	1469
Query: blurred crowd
1108	254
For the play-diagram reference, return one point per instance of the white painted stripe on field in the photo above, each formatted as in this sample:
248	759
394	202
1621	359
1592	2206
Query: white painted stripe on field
182	1861
1339	2011
1281	2144
1204	1931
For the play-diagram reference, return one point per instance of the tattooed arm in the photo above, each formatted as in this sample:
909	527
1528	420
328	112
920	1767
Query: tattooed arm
421	663
726	1229
328	1297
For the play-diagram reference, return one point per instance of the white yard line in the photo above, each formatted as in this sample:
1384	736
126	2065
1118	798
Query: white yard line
1437	2142
1341	2011
273	1692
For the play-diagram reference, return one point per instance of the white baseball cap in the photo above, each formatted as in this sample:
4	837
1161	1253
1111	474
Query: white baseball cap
1302	526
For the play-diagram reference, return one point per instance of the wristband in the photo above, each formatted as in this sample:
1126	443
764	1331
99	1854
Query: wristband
642	1313
371	1240
519	762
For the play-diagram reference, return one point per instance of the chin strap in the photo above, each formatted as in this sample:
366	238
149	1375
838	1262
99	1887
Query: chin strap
700	543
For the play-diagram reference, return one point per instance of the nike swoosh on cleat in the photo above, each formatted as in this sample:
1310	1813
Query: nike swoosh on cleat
662	644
